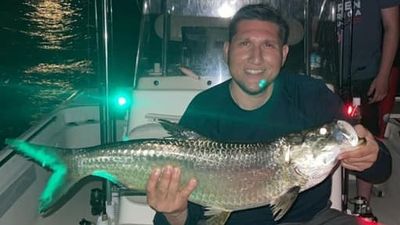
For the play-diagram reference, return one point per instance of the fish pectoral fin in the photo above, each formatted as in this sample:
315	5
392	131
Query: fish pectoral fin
212	211
281	205
216	216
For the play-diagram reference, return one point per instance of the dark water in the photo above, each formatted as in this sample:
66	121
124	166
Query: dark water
46	53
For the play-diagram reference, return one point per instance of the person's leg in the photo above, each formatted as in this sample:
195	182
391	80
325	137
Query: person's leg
386	105
370	116
370	120
364	189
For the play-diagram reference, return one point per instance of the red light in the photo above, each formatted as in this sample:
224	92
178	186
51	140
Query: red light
350	110
365	221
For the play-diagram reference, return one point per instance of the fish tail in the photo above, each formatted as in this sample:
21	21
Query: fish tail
53	159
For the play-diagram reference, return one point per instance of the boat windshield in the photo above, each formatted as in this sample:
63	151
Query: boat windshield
186	37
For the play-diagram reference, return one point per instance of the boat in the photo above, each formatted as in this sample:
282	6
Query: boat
179	55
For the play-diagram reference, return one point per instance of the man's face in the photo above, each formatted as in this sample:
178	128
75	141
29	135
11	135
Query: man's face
255	55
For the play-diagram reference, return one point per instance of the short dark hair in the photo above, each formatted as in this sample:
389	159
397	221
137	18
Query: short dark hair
263	12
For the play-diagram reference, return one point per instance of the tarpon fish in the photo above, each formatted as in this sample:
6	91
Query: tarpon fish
231	176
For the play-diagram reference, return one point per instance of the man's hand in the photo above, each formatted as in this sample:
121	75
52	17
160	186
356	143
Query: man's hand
165	194
378	89
364	155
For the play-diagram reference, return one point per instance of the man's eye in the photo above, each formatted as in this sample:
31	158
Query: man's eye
269	45
244	43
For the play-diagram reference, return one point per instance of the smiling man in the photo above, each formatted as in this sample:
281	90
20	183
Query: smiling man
258	104
255	55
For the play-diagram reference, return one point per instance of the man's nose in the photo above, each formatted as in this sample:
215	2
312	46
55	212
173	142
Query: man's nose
256	56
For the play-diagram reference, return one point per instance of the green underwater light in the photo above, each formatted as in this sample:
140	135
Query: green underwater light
121	100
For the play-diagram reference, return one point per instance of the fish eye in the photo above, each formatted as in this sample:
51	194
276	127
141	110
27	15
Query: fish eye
323	131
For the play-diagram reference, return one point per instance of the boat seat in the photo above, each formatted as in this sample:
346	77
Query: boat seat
155	98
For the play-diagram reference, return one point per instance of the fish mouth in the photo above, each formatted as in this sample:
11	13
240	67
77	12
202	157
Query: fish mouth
347	132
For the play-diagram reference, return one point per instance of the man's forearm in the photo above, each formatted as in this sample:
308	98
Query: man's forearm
390	20
381	170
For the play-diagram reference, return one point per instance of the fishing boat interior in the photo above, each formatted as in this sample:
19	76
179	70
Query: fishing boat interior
179	54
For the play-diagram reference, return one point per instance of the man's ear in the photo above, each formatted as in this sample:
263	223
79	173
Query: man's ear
226	51
285	52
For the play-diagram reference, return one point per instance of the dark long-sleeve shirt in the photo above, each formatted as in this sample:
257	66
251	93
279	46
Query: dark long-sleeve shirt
298	102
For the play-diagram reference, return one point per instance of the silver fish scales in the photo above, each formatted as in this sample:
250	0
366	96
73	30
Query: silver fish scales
222	169
231	176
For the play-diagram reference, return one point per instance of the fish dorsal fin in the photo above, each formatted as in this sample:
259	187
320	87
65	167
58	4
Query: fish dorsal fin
281	205
178	132
215	216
